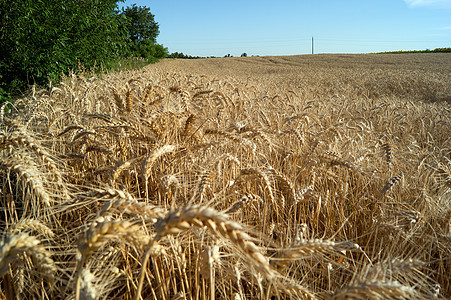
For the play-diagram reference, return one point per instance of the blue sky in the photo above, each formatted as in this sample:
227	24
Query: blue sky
286	27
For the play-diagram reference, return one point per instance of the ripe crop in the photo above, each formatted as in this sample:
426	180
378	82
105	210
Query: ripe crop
321	176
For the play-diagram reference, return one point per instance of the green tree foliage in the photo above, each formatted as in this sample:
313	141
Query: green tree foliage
143	31
4	95
40	39
141	24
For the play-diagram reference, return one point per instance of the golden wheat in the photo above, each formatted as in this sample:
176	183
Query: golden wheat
321	176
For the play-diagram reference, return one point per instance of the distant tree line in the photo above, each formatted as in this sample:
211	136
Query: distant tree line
436	50
181	55
41	40
244	54
184	56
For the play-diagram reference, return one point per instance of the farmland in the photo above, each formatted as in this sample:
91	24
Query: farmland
314	176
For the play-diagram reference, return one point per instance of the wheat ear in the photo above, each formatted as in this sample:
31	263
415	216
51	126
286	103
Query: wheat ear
188	125
132	206
309	247
218	223
19	243
375	289
285	184
263	177
118	168
22	139
388	153
152	157
293	288
118	99
100	231
32	224
28	171
389	184
2	110
150	160
128	99
235	138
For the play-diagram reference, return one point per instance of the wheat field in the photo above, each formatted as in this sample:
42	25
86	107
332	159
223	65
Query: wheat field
316	177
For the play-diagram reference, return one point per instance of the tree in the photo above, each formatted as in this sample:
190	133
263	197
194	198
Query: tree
141	24
40	39
143	31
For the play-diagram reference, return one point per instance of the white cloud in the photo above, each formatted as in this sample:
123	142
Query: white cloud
429	3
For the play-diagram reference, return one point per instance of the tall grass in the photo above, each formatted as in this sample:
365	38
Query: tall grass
180	181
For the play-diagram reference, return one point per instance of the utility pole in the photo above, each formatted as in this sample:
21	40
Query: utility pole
312	46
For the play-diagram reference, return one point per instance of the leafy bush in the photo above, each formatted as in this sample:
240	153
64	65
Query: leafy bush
148	50
42	39
4	95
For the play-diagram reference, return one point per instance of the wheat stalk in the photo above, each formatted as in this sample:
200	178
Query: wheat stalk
87	288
